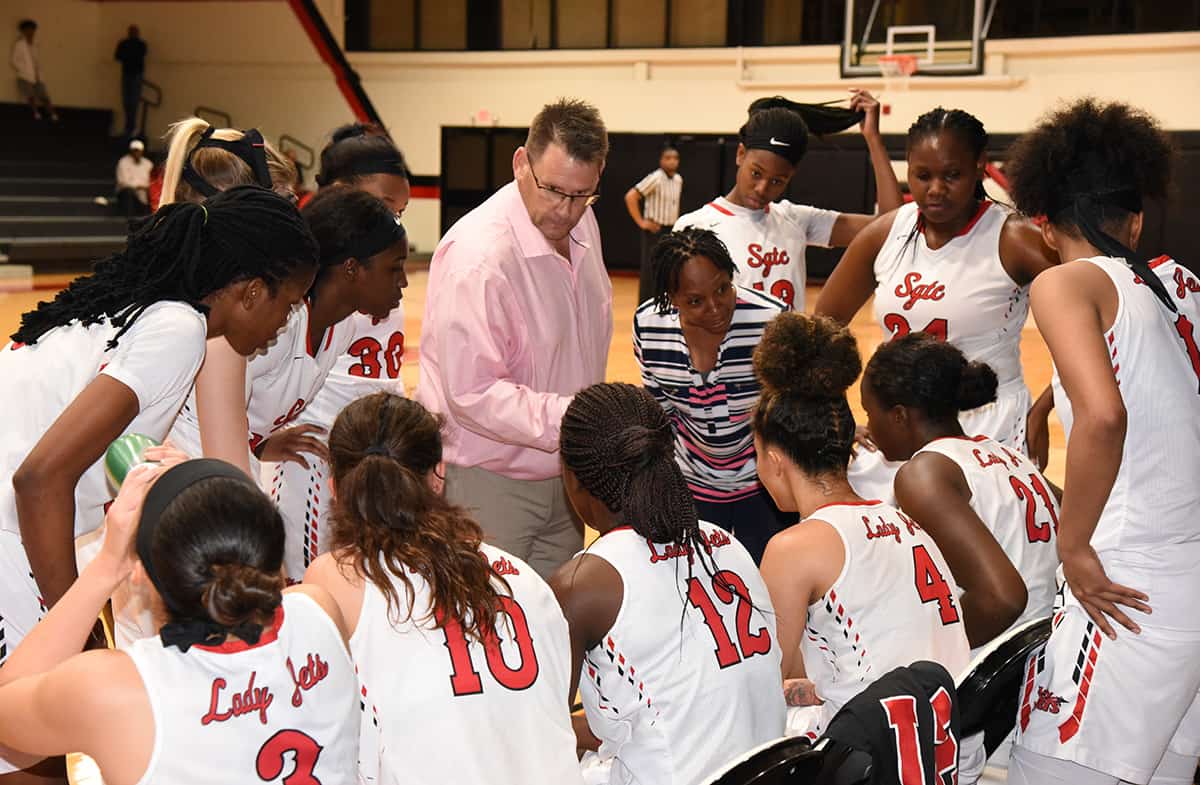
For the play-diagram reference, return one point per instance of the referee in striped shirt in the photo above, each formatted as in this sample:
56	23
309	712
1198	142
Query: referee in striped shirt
660	189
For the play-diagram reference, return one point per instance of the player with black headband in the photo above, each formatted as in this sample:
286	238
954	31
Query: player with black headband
202	160
244	681
1103	705
673	641
766	237
362	252
362	157
116	352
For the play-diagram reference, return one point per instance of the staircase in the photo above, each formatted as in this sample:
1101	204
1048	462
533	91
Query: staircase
50	177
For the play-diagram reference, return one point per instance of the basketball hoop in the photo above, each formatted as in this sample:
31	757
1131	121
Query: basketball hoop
897	70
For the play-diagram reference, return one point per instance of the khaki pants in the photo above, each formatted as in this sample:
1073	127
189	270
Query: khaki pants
531	519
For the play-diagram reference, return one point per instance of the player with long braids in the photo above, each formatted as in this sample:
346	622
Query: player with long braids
116	352
453	640
672	634
858	587
1123	336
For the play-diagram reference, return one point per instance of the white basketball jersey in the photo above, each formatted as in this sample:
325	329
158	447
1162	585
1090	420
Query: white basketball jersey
767	245
279	381
688	678
1015	502
960	293
282	710
157	358
1150	520
895	602
446	708
371	362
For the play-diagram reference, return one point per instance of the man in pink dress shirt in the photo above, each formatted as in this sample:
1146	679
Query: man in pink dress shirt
518	318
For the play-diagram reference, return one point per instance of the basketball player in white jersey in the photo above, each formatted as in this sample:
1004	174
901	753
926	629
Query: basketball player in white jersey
242	683
1104	704
460	648
673	638
858	587
767	236
991	512
951	263
116	353
362	252
362	157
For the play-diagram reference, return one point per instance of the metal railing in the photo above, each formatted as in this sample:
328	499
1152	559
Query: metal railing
289	143
208	114
146	102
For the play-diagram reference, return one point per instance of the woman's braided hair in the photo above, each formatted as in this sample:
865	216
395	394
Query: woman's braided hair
184	252
674	250
805	365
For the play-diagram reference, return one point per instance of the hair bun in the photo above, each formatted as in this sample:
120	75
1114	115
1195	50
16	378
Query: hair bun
806	357
352	130
976	386
240	594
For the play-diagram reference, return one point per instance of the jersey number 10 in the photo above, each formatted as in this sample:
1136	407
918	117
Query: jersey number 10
464	678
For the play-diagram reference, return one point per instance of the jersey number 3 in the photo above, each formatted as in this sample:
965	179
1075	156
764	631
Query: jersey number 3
464	679
271	757
728	586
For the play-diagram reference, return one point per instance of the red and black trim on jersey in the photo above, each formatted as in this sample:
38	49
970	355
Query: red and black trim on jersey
1085	668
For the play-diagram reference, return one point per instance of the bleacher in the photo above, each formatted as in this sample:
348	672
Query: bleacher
50	177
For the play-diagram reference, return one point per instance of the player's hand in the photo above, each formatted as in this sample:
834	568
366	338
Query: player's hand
288	444
1099	596
650	226
166	455
862	101
123	515
862	438
800	692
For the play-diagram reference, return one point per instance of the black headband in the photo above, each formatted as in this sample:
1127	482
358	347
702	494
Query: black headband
372	165
383	235
163	493
250	148
1129	199
790	149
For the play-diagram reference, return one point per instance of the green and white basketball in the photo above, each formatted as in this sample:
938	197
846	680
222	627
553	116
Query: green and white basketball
122	455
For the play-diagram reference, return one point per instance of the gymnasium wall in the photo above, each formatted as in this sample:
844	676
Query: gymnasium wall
252	60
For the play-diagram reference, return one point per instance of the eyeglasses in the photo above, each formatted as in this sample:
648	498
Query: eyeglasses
588	199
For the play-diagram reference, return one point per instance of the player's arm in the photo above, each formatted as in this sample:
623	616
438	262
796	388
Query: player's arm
1023	251
344	590
932	489
221	405
887	187
44	483
853	279
590	591
798	567
1067	303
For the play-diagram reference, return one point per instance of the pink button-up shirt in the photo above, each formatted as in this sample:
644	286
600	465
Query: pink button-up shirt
512	331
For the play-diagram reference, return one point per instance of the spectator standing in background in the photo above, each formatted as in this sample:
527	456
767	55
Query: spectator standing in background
131	52
24	61
660	189
133	181
518	318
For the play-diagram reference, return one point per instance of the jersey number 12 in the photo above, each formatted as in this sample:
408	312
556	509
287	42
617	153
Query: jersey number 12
728	587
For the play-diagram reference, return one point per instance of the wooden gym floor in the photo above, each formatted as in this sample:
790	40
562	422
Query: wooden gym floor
621	364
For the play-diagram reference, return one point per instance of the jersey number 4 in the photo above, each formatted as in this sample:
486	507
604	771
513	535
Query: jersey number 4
902	717
931	586
728	586
464	678
273	754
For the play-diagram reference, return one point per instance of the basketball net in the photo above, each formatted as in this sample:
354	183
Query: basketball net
897	70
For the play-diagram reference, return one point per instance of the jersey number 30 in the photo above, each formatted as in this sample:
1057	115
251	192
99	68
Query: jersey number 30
464	678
